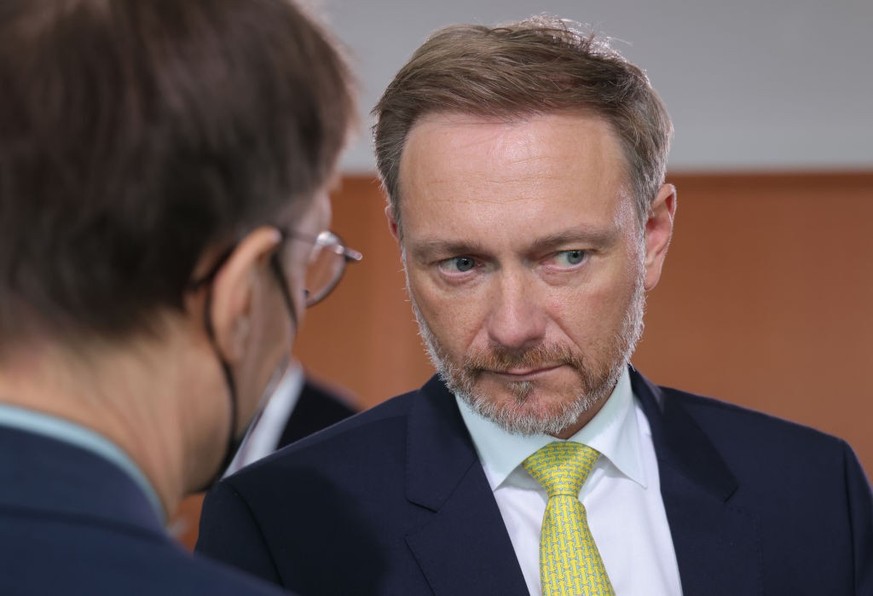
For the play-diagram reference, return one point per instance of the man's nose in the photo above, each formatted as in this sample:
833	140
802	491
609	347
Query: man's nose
517	318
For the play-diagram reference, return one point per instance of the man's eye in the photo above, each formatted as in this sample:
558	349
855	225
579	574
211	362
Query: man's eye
570	258
458	264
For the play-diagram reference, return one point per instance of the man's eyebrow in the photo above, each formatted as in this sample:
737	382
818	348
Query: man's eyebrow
585	237
427	249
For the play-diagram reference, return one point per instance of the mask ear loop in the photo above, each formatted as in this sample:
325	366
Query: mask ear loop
232	443
235	440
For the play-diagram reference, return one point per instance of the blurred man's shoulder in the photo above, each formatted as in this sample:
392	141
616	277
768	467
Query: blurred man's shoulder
343	444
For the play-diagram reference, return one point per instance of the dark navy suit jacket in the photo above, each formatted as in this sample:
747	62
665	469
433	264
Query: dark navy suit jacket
73	523
317	407
395	501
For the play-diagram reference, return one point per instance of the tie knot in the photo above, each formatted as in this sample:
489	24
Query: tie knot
562	467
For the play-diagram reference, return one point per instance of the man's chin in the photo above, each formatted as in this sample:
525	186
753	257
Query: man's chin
530	410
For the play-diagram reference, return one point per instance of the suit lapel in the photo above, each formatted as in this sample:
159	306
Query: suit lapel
464	548
716	543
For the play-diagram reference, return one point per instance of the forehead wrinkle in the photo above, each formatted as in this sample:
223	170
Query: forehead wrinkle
497	139
514	176
500	166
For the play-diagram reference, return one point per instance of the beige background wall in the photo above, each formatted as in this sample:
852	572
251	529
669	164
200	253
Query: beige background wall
749	84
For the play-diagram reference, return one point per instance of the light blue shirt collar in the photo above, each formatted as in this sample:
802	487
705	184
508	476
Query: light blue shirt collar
75	434
614	432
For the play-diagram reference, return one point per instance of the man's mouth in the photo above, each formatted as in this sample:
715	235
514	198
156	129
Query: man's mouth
528	373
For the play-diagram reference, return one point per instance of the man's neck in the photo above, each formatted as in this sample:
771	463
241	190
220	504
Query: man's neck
127	397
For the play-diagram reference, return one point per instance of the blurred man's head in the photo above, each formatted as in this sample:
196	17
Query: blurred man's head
525	168
163	166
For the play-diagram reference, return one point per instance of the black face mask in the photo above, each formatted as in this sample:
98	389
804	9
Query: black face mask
235	440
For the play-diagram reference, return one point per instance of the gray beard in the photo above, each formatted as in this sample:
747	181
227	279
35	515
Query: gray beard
597	384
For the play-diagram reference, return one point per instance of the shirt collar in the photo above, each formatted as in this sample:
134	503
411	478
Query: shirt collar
265	432
614	432
82	437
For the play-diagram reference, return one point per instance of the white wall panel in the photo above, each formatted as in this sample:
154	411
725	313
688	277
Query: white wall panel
751	84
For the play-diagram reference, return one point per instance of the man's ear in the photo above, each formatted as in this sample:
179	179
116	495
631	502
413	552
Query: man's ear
392	223
659	231
236	288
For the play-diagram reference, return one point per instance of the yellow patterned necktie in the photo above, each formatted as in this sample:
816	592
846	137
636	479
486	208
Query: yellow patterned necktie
570	564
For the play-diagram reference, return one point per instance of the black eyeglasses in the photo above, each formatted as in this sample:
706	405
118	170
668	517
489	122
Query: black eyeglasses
327	263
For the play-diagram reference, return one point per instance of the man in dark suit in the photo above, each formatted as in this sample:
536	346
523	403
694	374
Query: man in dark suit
525	169
317	407
298	408
163	224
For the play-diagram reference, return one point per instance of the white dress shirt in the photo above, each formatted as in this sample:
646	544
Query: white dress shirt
622	495
264	435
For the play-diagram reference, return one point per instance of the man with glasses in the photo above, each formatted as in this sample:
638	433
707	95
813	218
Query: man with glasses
301	406
164	169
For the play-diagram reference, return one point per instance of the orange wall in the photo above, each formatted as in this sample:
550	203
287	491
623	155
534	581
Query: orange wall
767	296
765	301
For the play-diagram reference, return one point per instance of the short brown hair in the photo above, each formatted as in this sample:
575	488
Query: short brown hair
135	135
538	65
